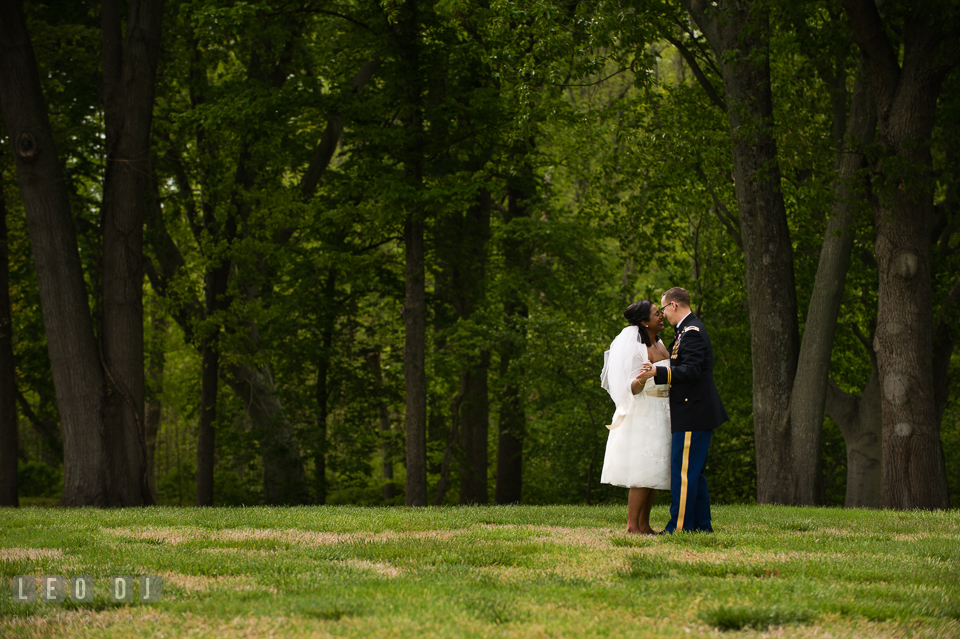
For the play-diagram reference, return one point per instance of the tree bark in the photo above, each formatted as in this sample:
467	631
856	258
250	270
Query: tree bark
813	370
284	479
414	364
512	425
323	388
321	393
73	350
415	307
738	33
474	431
155	368
206	432
216	281
383	418
464	253
859	420
9	423
913	471
129	81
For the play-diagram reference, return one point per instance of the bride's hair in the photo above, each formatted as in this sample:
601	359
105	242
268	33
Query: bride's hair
640	312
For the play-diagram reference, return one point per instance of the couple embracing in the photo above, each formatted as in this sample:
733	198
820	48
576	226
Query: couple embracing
667	408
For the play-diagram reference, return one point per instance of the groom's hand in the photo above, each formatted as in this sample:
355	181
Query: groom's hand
646	373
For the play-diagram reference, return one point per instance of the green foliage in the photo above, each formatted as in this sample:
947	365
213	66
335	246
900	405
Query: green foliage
36	479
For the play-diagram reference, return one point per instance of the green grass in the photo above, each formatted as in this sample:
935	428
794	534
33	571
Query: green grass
560	571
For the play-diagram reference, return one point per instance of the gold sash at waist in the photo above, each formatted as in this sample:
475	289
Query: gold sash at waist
658	391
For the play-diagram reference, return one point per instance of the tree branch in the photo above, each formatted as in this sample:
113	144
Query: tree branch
936	47
112	49
867	343
699	10
324	151
45	428
840	406
171	264
589	84
879	56
698	73
729	220
185	192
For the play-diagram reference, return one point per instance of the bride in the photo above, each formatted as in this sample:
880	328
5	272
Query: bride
638	447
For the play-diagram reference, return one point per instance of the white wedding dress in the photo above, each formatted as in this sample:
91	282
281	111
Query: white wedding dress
638	446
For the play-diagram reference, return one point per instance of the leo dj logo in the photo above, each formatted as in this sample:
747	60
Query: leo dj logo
80	589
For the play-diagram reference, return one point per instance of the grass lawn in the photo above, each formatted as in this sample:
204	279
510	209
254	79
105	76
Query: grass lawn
527	571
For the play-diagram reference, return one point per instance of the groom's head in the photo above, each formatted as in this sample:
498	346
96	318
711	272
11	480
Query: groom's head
675	304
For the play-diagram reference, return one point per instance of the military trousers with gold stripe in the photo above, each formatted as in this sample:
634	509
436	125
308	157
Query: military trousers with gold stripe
690	508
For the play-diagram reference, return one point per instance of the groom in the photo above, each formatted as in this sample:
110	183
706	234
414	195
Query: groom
695	410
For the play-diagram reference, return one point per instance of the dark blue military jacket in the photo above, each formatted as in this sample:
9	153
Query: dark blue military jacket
694	401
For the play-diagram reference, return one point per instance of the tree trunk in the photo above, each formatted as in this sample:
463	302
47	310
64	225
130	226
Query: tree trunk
9	444
73	350
383	418
474	432
284	479
415	306
913	472
914	475
129	80
465	255
155	368
512	424
859	420
813	370
321	394
738	33
323	387
215	288
206	432
414	365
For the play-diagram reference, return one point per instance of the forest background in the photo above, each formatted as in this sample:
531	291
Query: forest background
372	252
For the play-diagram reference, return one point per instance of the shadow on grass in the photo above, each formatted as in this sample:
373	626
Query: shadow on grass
39	609
498	608
685	540
654	567
758	618
326	609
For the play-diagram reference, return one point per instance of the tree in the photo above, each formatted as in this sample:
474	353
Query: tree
415	305
99	383
906	94
516	249
738	34
852	135
9	440
129	81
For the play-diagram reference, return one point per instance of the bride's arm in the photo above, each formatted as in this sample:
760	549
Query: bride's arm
640	358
